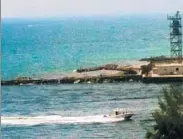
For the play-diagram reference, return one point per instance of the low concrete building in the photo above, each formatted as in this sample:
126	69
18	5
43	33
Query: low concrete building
168	69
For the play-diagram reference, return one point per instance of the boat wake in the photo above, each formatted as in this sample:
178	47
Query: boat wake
57	119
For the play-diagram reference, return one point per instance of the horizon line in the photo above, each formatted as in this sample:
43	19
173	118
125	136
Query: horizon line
88	15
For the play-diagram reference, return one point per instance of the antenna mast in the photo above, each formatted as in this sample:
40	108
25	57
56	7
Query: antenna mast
176	36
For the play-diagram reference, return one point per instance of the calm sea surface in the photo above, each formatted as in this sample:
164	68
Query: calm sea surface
34	47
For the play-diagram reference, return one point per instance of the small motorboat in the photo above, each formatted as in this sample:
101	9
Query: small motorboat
120	113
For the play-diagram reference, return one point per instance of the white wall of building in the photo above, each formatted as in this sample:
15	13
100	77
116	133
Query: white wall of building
168	69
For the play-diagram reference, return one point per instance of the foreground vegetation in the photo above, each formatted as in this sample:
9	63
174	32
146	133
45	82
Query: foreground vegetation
169	119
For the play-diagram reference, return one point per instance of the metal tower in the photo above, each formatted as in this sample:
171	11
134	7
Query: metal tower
176	36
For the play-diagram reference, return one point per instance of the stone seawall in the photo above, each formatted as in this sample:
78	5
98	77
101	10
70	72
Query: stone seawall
110	73
162	79
104	79
71	80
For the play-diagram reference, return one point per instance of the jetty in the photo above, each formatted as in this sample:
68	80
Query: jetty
152	70
109	73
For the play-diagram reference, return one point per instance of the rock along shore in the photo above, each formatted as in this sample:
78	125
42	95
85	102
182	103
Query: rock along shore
110	73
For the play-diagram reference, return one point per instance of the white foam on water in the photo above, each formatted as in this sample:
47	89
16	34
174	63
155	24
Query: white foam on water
56	119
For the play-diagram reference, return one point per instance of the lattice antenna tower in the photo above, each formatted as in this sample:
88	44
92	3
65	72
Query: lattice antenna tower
176	36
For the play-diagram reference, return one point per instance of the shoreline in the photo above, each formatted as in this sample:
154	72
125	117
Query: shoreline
94	80
109	73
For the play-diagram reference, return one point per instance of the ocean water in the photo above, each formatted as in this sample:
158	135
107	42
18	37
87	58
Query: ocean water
34	47
50	101
53	105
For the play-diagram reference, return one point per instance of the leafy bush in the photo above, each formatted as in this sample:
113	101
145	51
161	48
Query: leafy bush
169	119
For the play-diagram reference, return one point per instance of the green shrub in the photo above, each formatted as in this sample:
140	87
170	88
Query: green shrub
169	119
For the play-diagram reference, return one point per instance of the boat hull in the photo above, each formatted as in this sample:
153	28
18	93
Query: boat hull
125	116
128	116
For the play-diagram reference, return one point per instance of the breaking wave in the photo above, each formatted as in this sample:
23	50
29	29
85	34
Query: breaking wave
56	119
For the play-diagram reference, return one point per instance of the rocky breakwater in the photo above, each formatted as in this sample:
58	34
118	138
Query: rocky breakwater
101	74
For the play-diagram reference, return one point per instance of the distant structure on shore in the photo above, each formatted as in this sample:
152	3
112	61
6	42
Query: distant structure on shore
176	36
169	67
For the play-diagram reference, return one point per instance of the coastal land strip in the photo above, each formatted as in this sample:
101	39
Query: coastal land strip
109	73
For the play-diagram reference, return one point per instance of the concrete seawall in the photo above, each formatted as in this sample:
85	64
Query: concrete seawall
71	80
104	79
162	79
110	73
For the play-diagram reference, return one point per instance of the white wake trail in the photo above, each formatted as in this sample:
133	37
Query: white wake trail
56	119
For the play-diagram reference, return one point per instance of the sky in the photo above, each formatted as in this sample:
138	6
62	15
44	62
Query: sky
52	8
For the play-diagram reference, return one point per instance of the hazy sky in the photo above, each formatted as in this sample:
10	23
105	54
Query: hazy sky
37	8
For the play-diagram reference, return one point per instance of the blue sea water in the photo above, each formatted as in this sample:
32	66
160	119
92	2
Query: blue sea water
38	46
78	100
33	47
